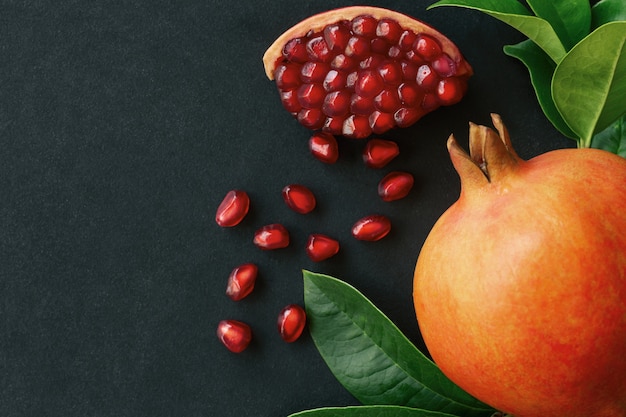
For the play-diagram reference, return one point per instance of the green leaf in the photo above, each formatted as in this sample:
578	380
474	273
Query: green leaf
516	15
371	358
370	411
613	138
606	11
589	85
540	68
571	19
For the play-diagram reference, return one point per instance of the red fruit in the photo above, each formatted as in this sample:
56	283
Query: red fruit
272	236
371	228
520	286
324	147
379	152
395	185
320	247
241	281
232	209
291	322
365	53
299	198
235	335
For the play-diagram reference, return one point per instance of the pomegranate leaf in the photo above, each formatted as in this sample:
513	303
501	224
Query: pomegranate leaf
371	357
571	19
606	11
516	15
589	84
541	68
613	138
370	411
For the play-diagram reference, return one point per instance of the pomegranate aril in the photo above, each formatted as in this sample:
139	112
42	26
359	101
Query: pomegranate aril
343	63
241	281
409	70
336	36
313	72
299	198
379	46
295	51
334	80
333	125
372	62
356	126
407	39
444	66
311	96
318	50
272	236
390	72
323	146
357	47
387	101
361	105
389	29
289	99
395	186
371	228
426	78
364	25
321	247
406	116
291	322
234	334
410	94
394	52
311	118
427	47
379	152
450	91
369	84
336	103
287	76
232	209
381	122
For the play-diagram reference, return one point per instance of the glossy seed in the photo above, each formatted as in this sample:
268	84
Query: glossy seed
232	209
321	247
323	146
395	186
234	334
291	322
379	152
241	281
272	236
299	198
371	228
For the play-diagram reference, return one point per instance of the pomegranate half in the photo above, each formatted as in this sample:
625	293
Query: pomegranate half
520	288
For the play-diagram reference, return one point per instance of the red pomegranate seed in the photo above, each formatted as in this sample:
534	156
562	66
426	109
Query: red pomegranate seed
368	59
324	147
395	185
234	334
291	322
379	152
272	236
233	208
371	228
450	91
299	198
241	281
320	247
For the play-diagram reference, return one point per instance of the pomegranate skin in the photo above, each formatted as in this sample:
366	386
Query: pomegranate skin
520	288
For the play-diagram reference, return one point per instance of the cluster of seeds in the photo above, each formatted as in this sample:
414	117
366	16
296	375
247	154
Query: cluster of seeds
377	153
365	75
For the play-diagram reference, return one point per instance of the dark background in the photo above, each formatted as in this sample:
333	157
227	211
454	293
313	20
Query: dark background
122	127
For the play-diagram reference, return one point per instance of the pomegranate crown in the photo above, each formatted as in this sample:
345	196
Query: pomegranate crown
490	157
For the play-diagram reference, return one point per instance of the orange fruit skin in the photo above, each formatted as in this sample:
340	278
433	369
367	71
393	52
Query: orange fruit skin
520	288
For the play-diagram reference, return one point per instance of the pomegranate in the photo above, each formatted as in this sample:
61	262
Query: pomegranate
270	237
360	70
235	335
371	228
379	152
520	287
299	198
291	322
232	209
320	247
241	281
324	147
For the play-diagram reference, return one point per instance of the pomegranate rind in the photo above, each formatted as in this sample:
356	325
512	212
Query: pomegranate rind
317	22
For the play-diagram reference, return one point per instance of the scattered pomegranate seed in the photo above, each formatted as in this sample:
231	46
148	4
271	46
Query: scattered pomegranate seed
241	281
235	335
320	247
272	236
232	209
379	152
299	198
367	58
324	147
371	228
291	322
395	185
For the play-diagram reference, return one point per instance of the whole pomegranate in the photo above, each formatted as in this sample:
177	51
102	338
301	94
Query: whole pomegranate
520	288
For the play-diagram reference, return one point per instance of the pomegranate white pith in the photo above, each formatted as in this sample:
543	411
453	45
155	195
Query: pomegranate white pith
358	71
